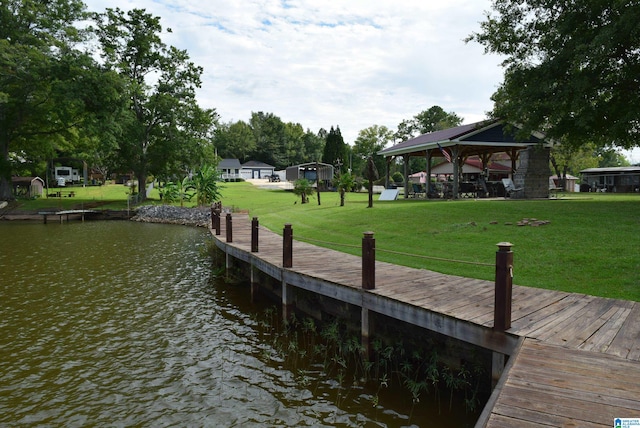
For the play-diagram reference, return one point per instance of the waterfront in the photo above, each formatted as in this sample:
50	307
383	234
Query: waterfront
121	324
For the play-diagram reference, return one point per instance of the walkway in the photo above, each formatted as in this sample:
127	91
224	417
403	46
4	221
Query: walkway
575	358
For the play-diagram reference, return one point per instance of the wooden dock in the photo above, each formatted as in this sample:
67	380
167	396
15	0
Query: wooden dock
574	359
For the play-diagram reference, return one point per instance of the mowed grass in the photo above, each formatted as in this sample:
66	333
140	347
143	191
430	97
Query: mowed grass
591	246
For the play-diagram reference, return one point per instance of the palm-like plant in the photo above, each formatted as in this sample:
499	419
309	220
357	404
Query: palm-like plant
177	191
345	183
303	188
205	183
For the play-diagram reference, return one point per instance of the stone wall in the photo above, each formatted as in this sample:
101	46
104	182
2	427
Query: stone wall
533	173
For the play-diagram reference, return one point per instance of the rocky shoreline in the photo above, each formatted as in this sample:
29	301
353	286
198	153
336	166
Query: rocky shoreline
199	217
167	214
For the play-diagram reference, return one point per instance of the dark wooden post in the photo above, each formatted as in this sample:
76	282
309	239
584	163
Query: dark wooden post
368	261
504	282
217	209
229	228
254	235
287	246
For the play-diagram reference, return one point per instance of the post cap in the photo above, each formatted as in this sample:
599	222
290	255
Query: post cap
368	234
504	246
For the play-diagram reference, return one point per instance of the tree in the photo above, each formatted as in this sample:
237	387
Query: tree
334	148
368	143
269	134
431	120
163	117
53	96
344	183
571	68
235	141
303	188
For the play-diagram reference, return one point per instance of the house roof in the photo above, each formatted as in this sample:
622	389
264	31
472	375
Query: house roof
256	164
615	170
480	137
229	164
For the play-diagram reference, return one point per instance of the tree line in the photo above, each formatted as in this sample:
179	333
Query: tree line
105	88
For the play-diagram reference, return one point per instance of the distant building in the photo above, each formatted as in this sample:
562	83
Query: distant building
312	171
623	179
256	169
29	187
230	169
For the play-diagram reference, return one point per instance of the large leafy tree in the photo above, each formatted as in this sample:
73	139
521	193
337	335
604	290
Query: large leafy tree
368	143
163	125
433	119
53	96
235	140
269	133
571	68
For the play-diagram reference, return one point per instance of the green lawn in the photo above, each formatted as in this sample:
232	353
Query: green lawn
592	244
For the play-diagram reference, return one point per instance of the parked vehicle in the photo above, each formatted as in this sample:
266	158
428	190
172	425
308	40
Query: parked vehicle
274	178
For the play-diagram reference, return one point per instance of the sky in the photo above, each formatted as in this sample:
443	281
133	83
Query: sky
346	63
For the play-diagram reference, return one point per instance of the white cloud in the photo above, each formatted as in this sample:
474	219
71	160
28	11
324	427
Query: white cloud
349	63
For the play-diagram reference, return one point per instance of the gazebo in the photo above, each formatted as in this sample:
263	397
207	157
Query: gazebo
529	157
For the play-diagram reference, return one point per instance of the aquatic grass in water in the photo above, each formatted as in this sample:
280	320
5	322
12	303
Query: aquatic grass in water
305	347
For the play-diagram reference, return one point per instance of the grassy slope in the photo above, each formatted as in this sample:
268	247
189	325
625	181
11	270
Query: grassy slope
591	246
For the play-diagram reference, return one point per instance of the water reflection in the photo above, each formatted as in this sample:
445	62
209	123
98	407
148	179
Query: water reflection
121	324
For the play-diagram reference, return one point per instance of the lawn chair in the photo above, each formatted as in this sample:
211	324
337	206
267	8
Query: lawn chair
510	189
417	192
553	188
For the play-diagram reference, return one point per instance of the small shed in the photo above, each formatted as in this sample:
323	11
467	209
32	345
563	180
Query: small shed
312	171
257	169
29	187
570	182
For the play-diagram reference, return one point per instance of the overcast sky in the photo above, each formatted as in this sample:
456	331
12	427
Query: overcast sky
351	63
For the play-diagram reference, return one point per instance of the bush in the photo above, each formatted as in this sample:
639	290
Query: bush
397	177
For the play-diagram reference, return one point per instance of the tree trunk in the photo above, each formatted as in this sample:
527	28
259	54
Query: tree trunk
5	174
342	197
5	190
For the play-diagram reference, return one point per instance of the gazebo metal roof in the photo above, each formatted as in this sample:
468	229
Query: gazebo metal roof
489	136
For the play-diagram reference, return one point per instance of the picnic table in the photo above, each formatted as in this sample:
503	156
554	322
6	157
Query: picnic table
61	194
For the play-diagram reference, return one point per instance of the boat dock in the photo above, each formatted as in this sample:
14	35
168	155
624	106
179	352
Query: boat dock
66	214
573	359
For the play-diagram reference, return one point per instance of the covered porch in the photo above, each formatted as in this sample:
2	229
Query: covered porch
526	161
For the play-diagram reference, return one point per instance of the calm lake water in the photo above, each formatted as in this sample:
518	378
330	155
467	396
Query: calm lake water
124	324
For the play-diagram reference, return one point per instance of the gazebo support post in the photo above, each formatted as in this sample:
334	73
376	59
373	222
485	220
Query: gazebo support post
455	157
428	178
405	161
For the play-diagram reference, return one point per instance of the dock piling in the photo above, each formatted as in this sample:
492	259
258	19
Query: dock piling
215	217
368	261
229	228
287	247
504	285
254	235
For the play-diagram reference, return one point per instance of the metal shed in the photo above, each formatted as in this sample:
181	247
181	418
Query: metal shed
312	171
